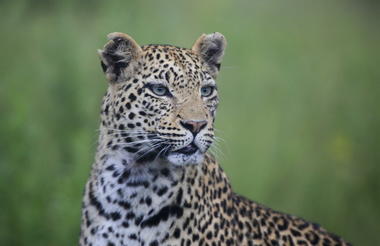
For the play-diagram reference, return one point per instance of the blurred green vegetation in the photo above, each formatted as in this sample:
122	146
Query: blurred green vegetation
299	111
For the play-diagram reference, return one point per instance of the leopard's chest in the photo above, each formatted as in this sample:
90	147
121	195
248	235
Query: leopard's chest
120	209
131	233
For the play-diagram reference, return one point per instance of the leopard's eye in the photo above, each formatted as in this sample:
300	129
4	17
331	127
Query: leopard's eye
207	91
159	90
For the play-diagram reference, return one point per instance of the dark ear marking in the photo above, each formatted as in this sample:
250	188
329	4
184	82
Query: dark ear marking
119	56
211	49
104	67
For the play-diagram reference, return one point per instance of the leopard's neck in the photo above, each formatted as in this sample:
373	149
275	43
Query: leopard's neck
144	186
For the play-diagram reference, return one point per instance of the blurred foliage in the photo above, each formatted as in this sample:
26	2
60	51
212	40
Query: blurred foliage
299	111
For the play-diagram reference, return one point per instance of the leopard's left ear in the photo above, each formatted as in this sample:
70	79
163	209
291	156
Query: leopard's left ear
211	49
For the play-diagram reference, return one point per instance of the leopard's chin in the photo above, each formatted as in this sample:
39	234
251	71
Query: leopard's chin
191	154
181	159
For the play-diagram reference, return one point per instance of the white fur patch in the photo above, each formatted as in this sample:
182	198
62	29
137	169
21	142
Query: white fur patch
182	159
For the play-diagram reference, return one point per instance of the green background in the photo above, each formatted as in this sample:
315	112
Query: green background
299	110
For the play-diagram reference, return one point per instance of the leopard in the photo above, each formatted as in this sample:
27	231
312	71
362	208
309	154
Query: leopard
154	181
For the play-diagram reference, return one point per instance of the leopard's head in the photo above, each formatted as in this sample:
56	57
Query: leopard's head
161	100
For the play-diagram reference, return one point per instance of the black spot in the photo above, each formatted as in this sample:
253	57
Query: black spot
132	97
326	242
130	149
131	116
162	191
115	216
274	242
94	202
303	226
128	139
124	176
301	242
127	88
283	225
138	220
295	233
167	76
148	201
110	167
163	215
124	204
154	243
130	215
312	237
165	172
177	232
195	237
179	196
137	183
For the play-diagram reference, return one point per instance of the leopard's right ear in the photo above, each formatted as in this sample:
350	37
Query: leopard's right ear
119	56
211	48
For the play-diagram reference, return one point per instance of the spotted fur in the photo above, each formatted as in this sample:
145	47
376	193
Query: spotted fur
153	182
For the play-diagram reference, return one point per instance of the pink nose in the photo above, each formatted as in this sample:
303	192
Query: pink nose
194	126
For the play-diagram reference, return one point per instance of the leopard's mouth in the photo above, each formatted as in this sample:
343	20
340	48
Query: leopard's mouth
165	150
190	149
190	154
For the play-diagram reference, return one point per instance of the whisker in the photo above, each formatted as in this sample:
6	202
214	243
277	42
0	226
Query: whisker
215	149
148	150
129	131
159	153
219	139
132	134
139	142
152	147
153	140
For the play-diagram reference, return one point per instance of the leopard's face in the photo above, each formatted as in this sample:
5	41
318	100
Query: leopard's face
161	103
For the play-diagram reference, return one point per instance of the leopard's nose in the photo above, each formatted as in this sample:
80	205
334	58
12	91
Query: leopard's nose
194	126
